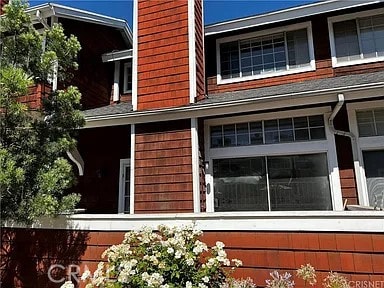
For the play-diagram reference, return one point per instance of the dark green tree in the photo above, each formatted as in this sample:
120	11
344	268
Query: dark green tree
35	175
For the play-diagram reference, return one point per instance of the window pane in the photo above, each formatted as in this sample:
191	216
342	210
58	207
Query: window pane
229	60
298	50
365	123
374	171
256	133
379	119
216	136
346	40
242	134
229	135
240	184
301	134
299	183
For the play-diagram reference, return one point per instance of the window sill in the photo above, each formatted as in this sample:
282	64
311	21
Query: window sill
336	64
266	75
321	221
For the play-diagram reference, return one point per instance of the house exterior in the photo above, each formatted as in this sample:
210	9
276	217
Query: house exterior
266	132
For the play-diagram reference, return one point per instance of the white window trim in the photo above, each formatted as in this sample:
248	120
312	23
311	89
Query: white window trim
310	67
294	148
363	144
125	84
123	164
340	18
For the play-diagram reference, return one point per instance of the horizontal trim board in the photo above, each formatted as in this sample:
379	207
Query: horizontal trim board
327	221
240	106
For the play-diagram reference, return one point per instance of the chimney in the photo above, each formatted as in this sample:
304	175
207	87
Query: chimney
168	72
169	49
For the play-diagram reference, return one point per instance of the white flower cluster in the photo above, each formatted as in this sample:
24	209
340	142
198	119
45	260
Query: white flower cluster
280	280
167	258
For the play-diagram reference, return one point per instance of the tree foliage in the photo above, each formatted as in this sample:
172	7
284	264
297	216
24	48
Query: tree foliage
35	175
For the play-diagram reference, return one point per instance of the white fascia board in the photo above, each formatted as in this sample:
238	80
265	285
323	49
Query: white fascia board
285	15
315	221
51	9
240	106
117	55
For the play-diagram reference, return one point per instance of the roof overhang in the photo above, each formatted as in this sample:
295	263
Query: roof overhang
285	15
50	9
291	100
117	55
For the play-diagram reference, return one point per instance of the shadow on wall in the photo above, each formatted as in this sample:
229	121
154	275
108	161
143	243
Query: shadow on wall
27	255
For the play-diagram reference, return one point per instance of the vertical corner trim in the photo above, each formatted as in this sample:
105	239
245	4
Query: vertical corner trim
195	165
192	50
135	54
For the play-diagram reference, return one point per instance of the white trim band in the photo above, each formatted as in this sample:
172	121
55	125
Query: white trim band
317	221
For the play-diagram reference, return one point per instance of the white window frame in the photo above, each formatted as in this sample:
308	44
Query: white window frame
127	65
332	20
310	67
124	163
281	149
363	144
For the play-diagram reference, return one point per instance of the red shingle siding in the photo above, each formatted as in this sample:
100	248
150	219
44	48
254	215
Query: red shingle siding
199	47
35	95
28	253
163	167
163	50
323	60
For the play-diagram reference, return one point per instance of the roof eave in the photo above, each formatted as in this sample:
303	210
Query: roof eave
50	9
285	15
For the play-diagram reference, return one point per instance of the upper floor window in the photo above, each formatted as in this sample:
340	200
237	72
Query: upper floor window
370	122
272	53
127	77
357	38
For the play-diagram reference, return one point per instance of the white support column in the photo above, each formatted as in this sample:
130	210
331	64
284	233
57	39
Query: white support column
116	78
135	54
132	176
195	165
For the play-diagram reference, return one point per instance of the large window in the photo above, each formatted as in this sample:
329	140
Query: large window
277	183
264	55
366	120
272	163
357	38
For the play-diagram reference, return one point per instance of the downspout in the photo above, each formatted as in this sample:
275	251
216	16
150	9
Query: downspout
335	111
350	135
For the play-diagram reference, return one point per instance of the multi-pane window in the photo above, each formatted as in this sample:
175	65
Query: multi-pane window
265	54
370	122
272	183
125	182
284	130
360	38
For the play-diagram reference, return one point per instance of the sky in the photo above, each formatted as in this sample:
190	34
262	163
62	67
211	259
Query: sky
214	10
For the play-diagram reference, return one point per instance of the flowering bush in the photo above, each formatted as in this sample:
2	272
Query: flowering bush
307	273
169	258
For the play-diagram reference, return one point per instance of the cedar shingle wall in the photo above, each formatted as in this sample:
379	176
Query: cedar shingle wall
26	254
199	42
322	56
163	167
163	71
